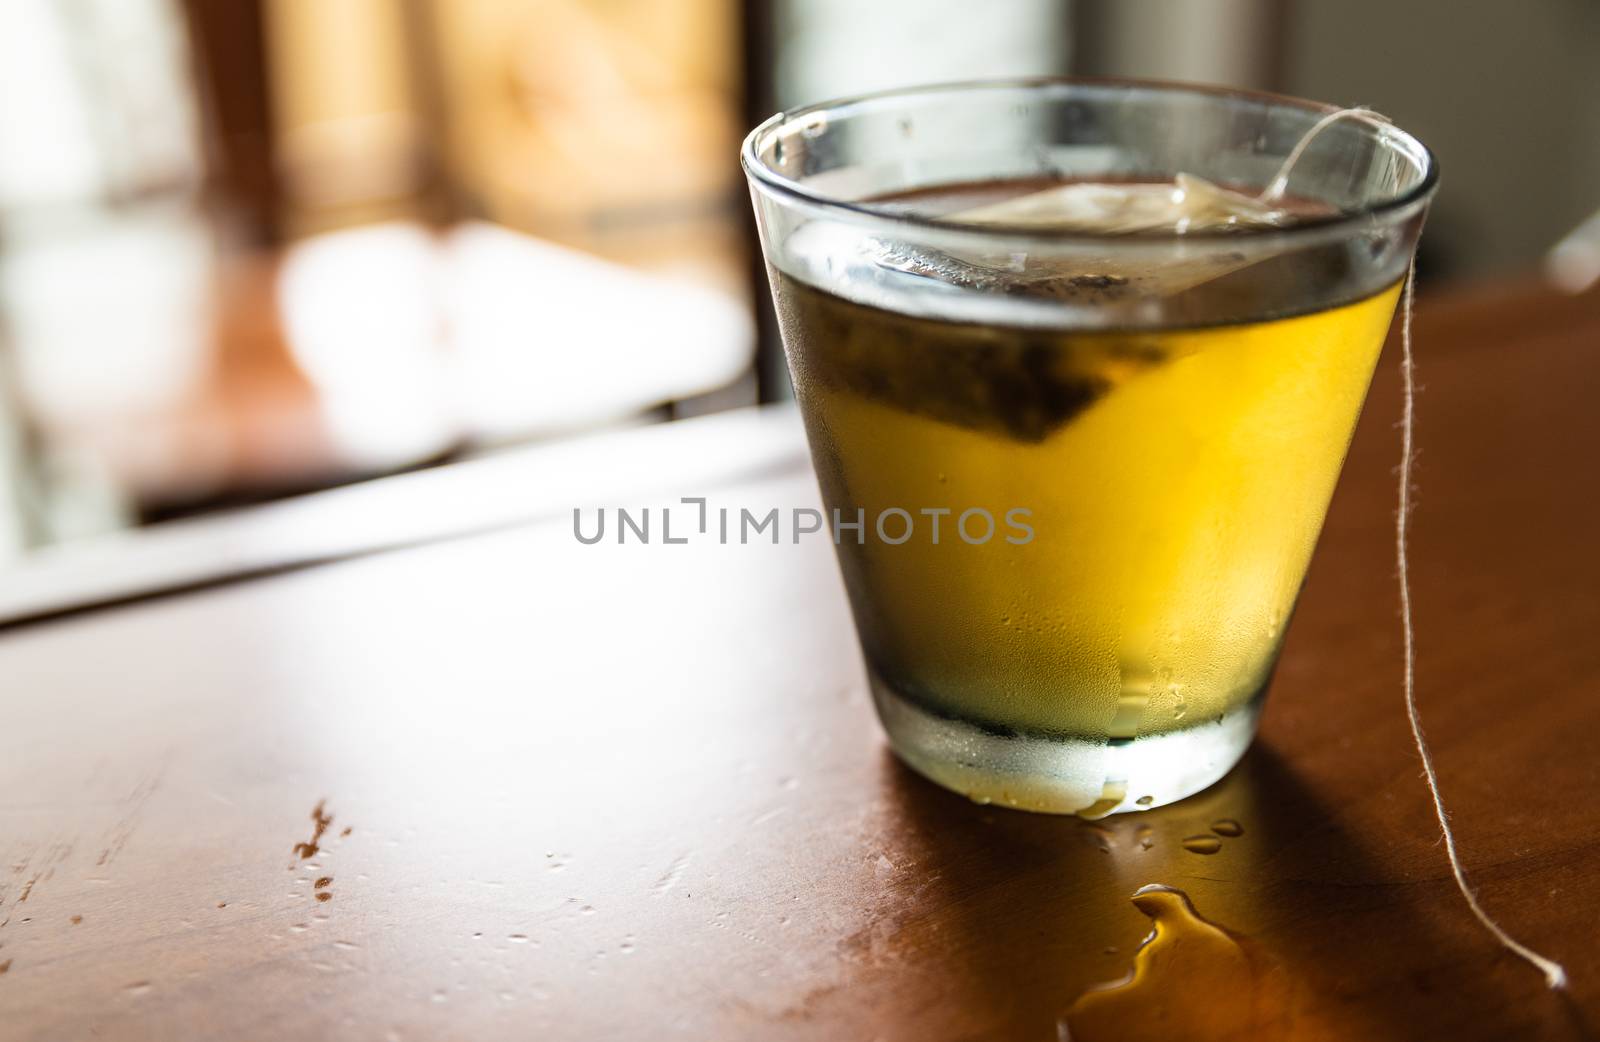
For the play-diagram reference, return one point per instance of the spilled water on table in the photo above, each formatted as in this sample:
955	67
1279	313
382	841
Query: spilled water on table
1191	979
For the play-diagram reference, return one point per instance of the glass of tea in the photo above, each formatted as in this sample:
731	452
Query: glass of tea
1079	363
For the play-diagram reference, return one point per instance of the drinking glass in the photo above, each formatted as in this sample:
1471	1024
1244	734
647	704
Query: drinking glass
1076	474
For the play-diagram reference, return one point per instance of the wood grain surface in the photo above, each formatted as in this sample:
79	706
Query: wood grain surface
512	786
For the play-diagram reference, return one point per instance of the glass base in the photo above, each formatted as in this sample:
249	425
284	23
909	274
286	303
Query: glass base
1064	775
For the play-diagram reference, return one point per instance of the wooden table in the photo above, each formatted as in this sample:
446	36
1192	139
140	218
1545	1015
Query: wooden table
508	785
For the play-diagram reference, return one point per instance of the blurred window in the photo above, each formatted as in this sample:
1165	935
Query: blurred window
264	246
829	48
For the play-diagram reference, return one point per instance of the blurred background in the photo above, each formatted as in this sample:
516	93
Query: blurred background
253	248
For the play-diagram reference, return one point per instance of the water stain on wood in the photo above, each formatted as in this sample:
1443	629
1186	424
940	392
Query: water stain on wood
320	821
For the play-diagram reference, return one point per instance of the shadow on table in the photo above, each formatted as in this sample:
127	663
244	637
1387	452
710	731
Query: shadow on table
1021	913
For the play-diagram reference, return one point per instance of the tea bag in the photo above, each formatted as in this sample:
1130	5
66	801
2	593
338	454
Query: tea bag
1084	275
1187	203
1026	390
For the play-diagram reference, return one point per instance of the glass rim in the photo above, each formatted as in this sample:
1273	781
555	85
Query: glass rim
770	180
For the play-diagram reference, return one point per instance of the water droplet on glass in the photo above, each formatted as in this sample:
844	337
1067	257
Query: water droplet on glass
1145	801
1202	844
518	938
1146	837
1227	827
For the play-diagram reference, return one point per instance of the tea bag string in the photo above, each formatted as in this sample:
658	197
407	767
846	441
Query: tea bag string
1280	181
1555	975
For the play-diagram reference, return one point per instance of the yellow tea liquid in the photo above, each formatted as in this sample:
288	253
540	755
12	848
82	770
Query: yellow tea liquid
1175	482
